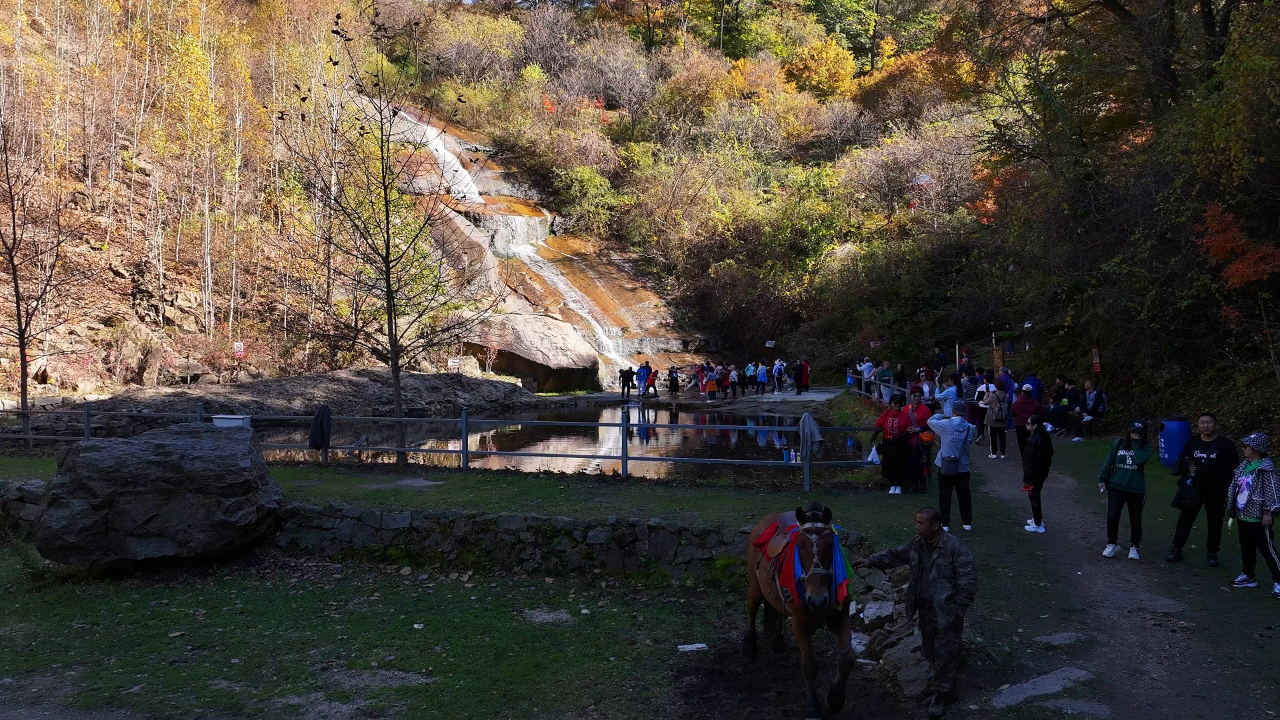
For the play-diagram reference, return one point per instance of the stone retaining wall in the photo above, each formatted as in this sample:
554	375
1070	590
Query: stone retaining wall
532	543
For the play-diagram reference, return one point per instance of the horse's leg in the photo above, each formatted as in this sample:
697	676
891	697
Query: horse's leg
845	660
803	627
754	599
773	624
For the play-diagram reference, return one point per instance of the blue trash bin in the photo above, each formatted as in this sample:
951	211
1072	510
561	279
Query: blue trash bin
1174	433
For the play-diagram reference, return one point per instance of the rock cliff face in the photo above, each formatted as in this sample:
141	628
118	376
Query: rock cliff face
186	491
556	287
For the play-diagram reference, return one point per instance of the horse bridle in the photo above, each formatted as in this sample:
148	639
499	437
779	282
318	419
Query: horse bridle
815	565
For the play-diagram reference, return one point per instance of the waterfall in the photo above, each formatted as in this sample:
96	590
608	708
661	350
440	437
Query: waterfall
607	344
408	128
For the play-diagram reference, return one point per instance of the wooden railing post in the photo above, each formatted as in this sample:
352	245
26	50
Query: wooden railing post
88	419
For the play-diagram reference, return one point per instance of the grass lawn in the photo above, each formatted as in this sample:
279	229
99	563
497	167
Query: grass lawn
279	636
27	468
712	502
290	633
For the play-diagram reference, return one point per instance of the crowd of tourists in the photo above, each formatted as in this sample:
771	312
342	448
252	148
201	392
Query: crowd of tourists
718	381
931	422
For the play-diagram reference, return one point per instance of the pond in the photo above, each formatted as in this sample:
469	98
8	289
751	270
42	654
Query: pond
595	446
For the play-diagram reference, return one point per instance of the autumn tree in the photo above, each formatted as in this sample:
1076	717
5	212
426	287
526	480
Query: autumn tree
408	276
35	229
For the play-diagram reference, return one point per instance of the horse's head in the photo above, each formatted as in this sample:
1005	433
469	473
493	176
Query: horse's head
816	541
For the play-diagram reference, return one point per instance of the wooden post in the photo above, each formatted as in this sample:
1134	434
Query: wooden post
88	427
808	457
200	411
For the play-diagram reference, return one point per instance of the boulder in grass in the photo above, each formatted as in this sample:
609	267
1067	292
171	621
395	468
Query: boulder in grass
184	491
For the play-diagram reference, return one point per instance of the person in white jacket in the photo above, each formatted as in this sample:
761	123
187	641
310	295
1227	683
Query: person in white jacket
955	437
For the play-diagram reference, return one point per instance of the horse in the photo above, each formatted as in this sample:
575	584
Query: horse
807	538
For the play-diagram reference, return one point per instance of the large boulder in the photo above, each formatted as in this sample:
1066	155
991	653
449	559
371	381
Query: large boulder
185	491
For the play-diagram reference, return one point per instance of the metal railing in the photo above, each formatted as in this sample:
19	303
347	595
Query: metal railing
464	452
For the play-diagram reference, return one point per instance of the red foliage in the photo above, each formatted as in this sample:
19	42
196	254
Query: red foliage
1231	317
548	105
1223	239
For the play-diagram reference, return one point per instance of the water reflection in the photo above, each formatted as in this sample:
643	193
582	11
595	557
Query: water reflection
594	447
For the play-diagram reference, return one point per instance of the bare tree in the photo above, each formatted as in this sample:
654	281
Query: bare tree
409	274
493	337
34	233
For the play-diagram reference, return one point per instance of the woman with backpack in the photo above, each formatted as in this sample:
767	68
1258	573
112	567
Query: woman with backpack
997	402
1123	478
1254	501
1036	459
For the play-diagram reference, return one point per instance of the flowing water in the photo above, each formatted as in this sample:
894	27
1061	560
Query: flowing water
765	440
606	341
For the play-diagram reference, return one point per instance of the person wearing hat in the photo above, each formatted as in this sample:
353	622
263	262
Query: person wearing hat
955	437
1021	410
1123	478
1254	500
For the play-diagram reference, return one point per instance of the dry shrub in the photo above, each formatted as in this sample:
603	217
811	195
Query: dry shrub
132	354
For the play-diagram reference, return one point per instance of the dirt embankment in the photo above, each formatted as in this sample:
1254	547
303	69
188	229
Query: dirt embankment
364	392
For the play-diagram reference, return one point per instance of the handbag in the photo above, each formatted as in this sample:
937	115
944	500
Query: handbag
1187	494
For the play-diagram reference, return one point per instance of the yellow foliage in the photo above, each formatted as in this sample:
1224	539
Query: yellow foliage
500	34
822	68
758	79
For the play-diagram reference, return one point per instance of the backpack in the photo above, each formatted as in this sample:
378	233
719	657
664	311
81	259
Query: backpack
1000	410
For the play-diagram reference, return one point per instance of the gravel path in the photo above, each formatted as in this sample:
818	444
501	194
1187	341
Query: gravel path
1148	662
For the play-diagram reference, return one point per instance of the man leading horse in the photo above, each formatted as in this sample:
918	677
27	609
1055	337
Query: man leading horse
943	584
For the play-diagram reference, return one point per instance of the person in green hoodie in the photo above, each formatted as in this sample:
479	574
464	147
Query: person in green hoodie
1123	479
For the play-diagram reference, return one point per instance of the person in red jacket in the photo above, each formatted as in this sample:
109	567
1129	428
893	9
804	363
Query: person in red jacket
1021	410
917	416
895	450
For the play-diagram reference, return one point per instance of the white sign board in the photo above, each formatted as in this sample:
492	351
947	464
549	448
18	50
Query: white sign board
455	362
239	350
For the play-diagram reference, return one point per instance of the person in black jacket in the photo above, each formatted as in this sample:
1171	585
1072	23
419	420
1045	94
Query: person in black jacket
1036	460
1205	469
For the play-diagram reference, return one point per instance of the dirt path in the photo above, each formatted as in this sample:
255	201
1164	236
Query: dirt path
1148	659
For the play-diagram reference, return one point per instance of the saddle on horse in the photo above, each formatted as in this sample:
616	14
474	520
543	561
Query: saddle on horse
779	569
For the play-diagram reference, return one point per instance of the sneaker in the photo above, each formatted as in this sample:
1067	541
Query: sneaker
1111	550
1133	554
1034	528
992	456
1211	559
1077	439
1275	590
1031	521
968	528
1244	581
1175	555
1001	457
